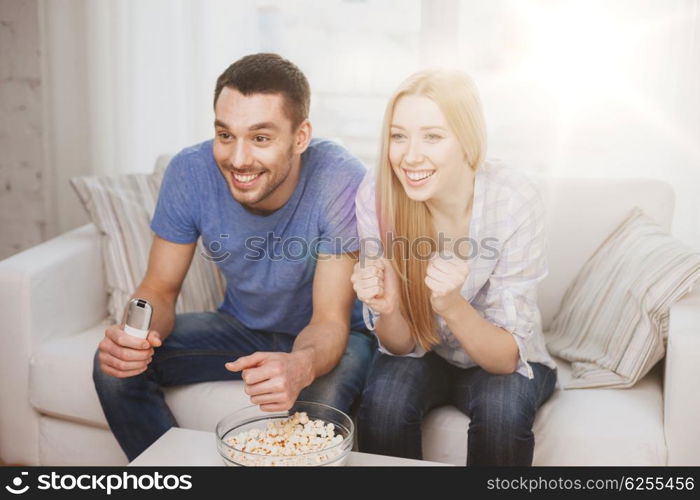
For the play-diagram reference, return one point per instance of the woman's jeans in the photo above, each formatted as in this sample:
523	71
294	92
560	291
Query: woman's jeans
401	390
196	351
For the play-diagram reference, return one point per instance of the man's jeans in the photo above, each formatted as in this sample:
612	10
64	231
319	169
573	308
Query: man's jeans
196	351
401	390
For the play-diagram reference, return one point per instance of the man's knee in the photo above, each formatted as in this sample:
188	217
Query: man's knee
356	360
106	384
98	376
341	386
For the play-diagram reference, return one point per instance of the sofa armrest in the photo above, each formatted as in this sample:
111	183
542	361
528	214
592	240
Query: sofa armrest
56	288
681	382
51	290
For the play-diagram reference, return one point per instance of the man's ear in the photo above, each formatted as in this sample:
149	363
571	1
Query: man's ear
302	137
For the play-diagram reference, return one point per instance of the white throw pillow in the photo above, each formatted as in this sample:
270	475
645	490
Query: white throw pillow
613	319
121	206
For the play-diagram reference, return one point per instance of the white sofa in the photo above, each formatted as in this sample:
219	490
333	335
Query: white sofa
53	305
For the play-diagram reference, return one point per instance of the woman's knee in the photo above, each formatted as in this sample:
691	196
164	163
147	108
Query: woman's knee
390	396
505	404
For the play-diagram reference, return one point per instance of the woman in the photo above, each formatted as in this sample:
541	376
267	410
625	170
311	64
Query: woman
451	289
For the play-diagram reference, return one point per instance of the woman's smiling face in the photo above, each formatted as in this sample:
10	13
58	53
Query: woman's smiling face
424	153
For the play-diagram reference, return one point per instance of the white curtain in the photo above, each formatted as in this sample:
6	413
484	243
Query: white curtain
152	66
151	74
592	88
570	87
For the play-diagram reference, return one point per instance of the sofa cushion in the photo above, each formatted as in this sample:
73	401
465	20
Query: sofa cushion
582	427
61	385
121	207
581	213
614	318
587	427
71	444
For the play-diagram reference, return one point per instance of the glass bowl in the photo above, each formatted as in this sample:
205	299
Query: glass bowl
251	417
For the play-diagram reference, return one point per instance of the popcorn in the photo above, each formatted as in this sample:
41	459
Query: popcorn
285	442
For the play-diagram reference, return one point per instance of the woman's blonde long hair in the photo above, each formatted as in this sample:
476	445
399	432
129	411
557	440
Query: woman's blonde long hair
403	221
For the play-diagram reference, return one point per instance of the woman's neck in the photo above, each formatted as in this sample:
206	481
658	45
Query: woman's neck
454	204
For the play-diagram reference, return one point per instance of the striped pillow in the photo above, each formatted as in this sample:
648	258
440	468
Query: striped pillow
613	319
121	206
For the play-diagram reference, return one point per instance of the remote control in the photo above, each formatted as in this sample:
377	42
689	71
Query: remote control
137	318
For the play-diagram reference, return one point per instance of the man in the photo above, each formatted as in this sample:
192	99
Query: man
279	209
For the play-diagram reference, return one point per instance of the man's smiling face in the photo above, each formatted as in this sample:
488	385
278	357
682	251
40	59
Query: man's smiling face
257	148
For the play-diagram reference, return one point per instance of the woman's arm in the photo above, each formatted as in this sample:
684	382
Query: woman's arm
495	326
376	285
374	280
394	334
491	347
391	328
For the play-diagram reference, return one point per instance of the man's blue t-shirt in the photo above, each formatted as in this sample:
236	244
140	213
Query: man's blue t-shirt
268	261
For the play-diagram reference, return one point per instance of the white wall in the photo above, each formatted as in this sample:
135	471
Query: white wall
572	88
592	88
45	133
67	124
23	207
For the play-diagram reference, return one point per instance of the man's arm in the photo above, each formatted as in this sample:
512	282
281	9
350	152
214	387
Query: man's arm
324	339
168	264
275	379
122	355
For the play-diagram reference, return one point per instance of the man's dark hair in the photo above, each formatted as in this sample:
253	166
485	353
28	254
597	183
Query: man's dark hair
269	74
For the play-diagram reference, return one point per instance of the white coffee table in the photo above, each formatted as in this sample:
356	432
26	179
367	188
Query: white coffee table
185	447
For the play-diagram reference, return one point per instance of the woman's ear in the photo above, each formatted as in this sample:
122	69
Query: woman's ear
302	137
466	159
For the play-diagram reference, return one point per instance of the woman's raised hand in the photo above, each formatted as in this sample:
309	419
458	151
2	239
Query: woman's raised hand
445	277
376	284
